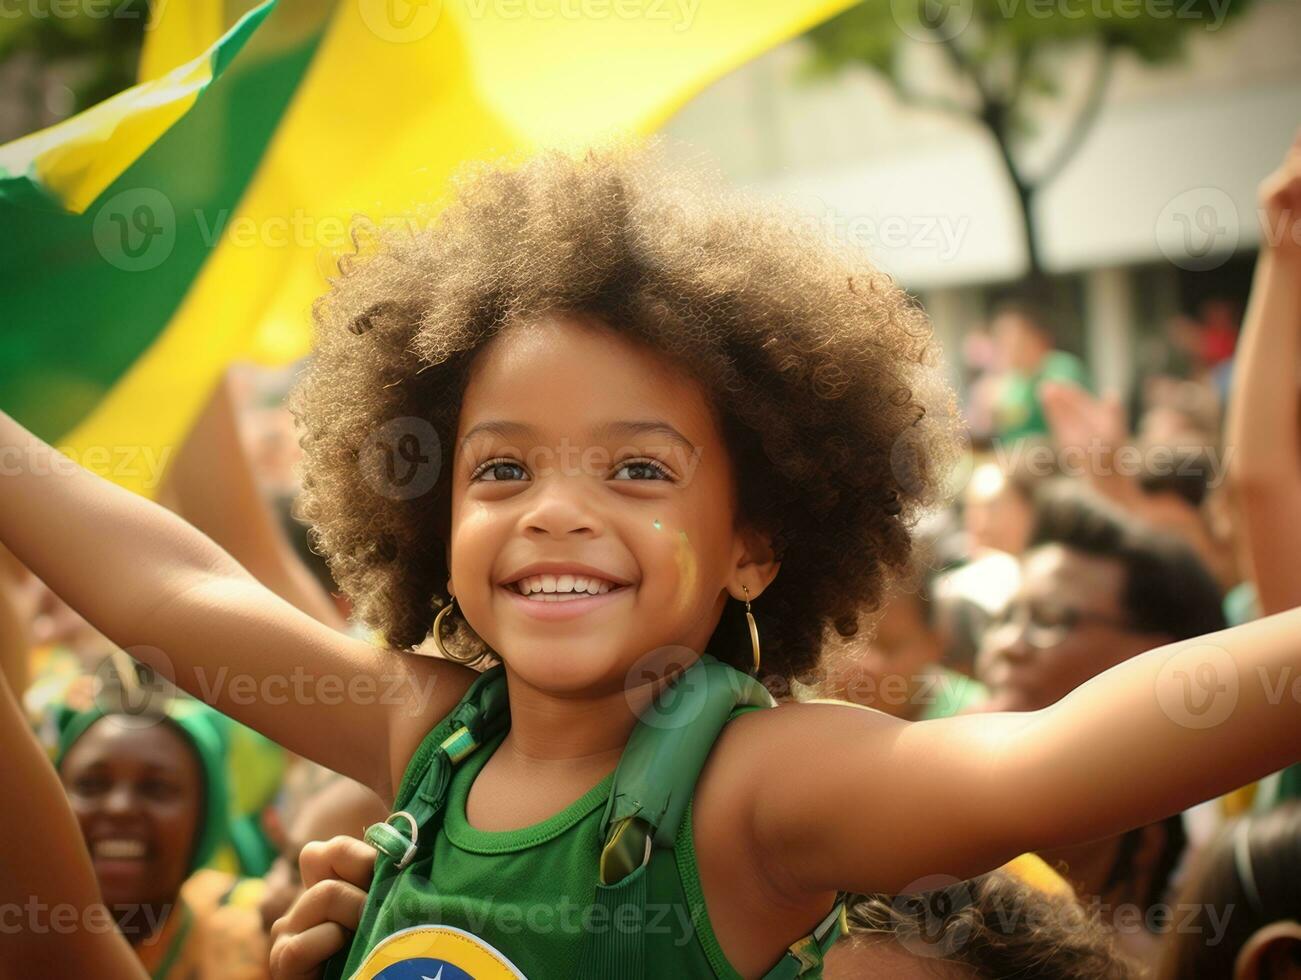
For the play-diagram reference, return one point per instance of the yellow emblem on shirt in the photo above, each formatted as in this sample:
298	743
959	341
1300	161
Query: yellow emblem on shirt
436	953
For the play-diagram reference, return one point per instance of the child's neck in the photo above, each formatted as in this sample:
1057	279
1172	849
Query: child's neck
573	734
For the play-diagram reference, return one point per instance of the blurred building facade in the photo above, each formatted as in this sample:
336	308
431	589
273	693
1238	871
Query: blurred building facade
1154	214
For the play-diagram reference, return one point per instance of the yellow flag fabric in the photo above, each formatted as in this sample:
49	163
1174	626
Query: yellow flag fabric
178	32
399	94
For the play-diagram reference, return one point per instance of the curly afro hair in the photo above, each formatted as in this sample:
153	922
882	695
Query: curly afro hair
822	372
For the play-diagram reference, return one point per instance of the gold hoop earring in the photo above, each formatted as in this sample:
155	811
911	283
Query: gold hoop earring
754	632
438	638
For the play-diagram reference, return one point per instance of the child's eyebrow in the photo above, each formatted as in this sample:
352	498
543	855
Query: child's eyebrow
608	430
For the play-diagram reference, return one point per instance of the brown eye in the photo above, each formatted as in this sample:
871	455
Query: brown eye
498	470
657	470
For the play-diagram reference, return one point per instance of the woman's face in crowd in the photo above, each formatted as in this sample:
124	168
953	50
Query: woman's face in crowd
1065	624
137	791
577	447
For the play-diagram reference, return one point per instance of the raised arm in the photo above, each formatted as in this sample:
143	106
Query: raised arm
15	633
173	599
849	798
49	875
1263	428
1086	425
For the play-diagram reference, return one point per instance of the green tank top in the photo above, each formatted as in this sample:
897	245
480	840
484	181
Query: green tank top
506	904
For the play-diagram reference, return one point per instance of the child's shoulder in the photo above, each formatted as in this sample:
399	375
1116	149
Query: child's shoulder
433	688
749	895
754	743
758	751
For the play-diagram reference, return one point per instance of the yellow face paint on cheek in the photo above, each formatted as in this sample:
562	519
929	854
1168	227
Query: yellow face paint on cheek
688	571
688	568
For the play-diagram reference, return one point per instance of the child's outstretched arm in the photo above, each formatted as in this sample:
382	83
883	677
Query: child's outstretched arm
63	928
1264	424
173	599
840	797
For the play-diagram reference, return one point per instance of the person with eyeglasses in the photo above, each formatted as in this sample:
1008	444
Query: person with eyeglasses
1096	589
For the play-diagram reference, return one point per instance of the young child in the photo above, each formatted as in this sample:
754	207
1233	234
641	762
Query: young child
593	375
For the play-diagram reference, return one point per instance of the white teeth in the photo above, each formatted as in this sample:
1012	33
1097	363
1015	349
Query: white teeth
562	587
128	849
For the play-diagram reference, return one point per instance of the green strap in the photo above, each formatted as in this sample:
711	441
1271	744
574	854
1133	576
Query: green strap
806	955
481	714
178	941
619	952
666	751
653	784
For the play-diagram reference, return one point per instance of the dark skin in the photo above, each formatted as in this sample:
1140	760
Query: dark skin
136	791
575	683
882	957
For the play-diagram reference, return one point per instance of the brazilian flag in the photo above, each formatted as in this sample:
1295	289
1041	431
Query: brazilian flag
190	220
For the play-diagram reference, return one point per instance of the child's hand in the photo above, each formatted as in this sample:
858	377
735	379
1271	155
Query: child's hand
1280	203
336	876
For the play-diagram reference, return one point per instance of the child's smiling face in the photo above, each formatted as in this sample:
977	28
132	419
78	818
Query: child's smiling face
556	463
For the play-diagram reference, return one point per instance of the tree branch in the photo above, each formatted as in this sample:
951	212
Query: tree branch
1084	121
1020	65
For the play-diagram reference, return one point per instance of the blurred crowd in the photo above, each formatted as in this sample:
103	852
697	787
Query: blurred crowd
1091	527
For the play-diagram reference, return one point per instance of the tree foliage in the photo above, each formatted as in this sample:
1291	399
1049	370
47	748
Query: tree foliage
1007	56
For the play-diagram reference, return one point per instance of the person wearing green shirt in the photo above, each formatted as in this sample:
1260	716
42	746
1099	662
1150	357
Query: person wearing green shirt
1028	353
